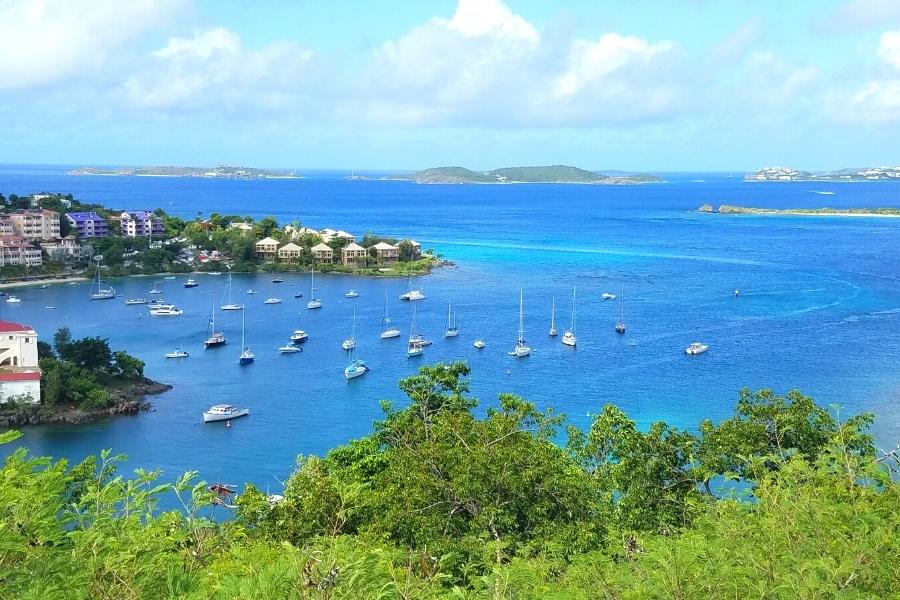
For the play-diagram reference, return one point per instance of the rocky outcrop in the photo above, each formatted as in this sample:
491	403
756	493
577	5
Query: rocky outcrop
706	208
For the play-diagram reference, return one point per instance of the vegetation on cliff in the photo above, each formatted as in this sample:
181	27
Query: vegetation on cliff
440	503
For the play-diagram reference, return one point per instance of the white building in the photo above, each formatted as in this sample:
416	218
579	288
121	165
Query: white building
19	373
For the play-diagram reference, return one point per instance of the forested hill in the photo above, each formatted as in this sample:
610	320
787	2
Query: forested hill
546	174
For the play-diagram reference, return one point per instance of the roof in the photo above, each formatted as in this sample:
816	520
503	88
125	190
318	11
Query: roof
291	246
384	246
321	247
84	216
29	375
343	234
353	246
10	327
267	241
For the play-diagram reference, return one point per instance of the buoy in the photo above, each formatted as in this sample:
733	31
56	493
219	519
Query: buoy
227	423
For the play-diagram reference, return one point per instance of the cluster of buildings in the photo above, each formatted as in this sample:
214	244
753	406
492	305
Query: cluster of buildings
20	377
136	223
350	253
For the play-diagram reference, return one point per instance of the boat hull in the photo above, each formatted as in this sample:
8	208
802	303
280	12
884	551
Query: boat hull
313	304
232	307
213	417
390	333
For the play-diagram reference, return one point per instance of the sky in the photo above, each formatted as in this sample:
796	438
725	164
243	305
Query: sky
640	85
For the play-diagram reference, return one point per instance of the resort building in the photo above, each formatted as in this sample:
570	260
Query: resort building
88	224
290	252
35	224
15	250
6	226
416	248
353	255
63	248
245	227
141	223
386	253
19	373
298	232
267	248
332	234
323	254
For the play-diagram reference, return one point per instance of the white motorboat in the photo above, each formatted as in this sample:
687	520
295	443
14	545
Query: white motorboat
170	277
100	292
737	292
136	301
387	331
411	294
479	343
352	294
224	412
247	355
350	342
414	346
272	301
190	283
230	304
452	329
299	336
522	349
278	280
313	301
608	296
213	338
251	292
553	331
157	303
177	353
289	349
166	310
696	348
49	308
14	300
214	273
568	337
355	369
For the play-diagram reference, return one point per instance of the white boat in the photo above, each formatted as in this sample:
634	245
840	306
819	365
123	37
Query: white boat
737	292
230	304
278	280
157	303
479	343
410	294
101	293
350	342
299	336
213	338
154	290
568	337
289	349
13	300
167	310
190	283
272	301
136	301
387	331
49	308
170	277
696	348
620	326
214	273
313	301
44	286
352	294
251	292
247	355
177	353
522	349
553	332
355	369
608	296
414	346
224	412
452	329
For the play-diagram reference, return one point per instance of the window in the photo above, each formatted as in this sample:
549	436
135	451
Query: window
27	340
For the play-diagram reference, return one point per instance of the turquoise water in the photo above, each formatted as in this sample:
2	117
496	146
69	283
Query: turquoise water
819	309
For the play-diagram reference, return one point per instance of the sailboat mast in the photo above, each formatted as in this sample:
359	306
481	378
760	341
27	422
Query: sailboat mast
243	346
521	315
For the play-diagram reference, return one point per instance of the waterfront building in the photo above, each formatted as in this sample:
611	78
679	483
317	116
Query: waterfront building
88	224
290	252
6	226
63	248
16	250
141	223
323	254
19	373
245	227
416	248
35	224
353	255
267	248
296	233
386	253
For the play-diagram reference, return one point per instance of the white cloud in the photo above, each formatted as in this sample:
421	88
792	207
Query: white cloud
479	18
889	48
877	101
45	41
855	15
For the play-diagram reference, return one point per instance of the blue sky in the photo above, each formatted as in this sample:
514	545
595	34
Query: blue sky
657	85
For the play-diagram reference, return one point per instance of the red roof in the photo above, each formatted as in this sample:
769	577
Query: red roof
20	375
10	327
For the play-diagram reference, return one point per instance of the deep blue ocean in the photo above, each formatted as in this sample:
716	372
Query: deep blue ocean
818	310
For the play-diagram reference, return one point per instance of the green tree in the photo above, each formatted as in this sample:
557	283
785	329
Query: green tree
129	367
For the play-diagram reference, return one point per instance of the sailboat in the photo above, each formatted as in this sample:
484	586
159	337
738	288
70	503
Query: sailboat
411	294
154	290
213	338
102	293
230	305
569	338
313	301
350	342
247	355
522	349
414	347
387	331
452	329
553	331
620	326
355	368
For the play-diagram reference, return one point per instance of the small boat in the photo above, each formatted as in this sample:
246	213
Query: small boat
224	412
352	294
387	331
214	273
157	303
696	348
13	300
452	329
213	338
177	354
620	326
251	292
568	337
298	295
522	349
166	310
190	283
737	292
44	286
414	346
169	277
553	331
299	336
411	295
355	369
73	283
608	296
313	301
350	342
230	304
154	290
278	280
479	343
49	308
272	300
247	355
289	349
136	301
101	293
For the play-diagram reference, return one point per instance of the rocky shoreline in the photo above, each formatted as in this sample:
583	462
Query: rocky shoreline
129	400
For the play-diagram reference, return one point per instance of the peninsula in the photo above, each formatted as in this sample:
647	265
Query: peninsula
727	209
843	175
221	172
547	174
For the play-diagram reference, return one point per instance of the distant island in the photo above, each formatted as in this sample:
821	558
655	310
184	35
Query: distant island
222	172
548	174
788	174
727	209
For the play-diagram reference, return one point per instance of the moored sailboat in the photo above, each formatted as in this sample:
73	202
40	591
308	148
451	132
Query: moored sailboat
230	304
213	338
553	331
452	329
568	337
101	293
387	331
522	349
414	346
247	355
350	342
620	326
313	301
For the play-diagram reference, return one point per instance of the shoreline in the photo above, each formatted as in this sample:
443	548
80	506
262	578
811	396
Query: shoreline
800	212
